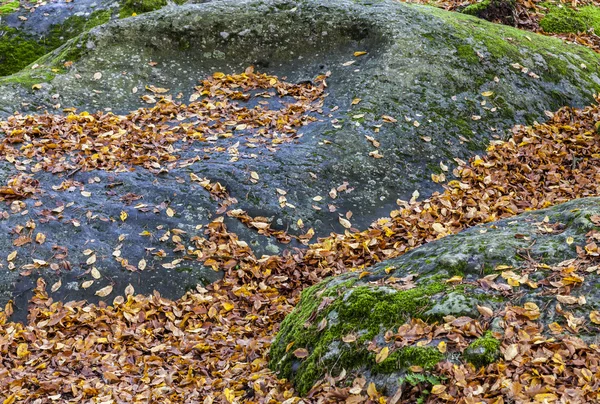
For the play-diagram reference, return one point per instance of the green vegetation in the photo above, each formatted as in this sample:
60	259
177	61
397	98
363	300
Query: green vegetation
425	357
18	50
477	8
7	8
567	20
387	309
134	7
483	350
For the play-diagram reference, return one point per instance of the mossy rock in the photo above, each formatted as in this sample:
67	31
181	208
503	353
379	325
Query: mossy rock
565	19
23	41
500	11
483	350
366	307
422	63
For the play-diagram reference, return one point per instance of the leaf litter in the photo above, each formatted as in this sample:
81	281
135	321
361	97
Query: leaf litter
212	344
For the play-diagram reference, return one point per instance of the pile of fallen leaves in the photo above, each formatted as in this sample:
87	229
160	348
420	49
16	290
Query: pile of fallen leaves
212	345
153	137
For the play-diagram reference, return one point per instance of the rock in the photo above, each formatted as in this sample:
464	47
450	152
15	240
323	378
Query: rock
366	307
446	84
28	33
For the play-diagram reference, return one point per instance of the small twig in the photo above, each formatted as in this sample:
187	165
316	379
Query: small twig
72	173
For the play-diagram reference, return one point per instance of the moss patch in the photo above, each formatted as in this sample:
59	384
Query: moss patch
425	357
7	8
18	50
566	20
135	7
483	350
386	309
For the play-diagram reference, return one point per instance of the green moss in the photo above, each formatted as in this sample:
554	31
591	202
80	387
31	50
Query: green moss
566	19
466	52
483	350
135	7
363	310
74	26
17	51
49	65
7	8
502	44
425	357
477	8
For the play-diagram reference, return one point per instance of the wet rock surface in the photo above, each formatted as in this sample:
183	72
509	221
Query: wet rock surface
431	86
512	262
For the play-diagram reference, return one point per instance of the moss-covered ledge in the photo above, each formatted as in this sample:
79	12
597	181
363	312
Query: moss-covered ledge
347	321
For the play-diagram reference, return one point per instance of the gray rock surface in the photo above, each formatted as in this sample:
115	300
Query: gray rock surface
424	67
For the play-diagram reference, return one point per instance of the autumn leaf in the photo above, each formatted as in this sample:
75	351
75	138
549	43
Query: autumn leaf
301	353
105	291
22	350
56	286
382	355
344	222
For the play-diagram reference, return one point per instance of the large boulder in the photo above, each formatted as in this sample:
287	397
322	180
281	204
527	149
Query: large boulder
29	31
425	85
342	322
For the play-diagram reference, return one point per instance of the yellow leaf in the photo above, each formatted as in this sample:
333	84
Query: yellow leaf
91	260
438	389
455	279
229	395
11	256
36	86
170	212
545	397
254	175
355	101
105	291
123	216
570	240
40	238
442	347
487	93
10	399
359	53
87	284
382	355
227	306
595	317
22	350
372	390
